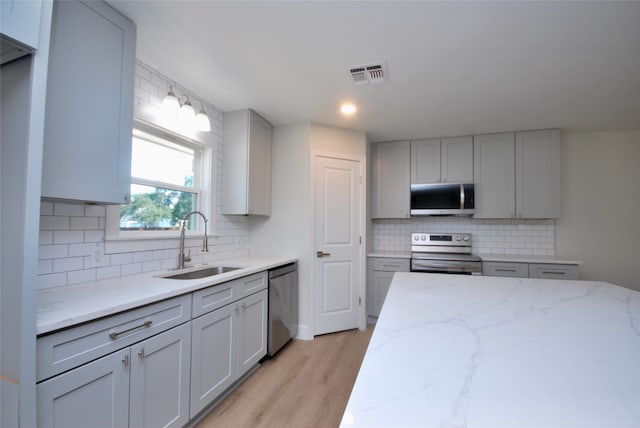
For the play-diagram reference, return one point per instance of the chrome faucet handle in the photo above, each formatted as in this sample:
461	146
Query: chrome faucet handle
187	258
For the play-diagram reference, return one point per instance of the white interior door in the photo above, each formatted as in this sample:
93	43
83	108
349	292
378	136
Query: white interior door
337	239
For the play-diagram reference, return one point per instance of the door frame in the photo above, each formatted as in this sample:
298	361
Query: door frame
362	253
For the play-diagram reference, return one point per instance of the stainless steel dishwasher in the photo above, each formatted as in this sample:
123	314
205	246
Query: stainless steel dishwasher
283	306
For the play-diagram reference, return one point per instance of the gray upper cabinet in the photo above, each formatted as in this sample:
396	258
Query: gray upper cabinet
20	20
425	161
517	175
246	177
446	160
391	179
538	174
494	175
89	107
456	159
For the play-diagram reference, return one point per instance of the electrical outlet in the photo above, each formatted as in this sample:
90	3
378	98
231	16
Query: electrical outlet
96	256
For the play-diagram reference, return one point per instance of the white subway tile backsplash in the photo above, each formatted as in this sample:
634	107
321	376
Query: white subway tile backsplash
54	223
79	276
95	211
53	280
498	237
68	264
108	272
68	237
69	210
131	269
84	223
52	251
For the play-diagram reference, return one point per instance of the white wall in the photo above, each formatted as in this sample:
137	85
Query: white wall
601	205
289	229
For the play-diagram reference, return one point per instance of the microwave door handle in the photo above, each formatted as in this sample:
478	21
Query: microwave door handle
461	196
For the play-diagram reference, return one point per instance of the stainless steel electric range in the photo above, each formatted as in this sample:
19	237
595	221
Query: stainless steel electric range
444	253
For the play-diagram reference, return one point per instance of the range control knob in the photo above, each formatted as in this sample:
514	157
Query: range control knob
416	238
458	238
466	238
423	237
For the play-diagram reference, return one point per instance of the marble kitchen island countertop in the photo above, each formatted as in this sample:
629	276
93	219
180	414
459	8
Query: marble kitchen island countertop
62	307
467	351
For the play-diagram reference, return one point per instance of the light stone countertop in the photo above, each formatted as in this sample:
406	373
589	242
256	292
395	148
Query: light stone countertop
467	351
62	307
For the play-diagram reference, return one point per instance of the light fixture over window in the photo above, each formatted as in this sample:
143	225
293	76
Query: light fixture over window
184	113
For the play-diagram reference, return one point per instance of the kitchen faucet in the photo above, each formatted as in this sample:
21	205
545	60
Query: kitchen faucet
182	258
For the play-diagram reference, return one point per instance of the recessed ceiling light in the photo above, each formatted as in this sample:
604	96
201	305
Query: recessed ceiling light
348	109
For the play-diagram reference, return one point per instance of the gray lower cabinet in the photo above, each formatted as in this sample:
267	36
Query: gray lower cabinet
381	271
158	365
144	385
69	400
530	270
228	340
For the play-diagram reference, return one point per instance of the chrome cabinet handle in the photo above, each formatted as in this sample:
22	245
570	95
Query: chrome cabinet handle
125	361
321	254
505	270
141	353
115	334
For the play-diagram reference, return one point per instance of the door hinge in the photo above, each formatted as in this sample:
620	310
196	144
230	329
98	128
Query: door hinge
361	240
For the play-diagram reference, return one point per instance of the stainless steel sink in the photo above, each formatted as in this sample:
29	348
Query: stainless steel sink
202	273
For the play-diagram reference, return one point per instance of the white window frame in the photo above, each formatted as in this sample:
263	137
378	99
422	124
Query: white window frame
117	240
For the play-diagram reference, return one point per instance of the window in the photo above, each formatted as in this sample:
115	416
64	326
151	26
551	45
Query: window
169	179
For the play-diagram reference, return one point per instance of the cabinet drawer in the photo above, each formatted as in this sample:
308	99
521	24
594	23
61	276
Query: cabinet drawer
209	299
391	264
518	270
66	349
251	284
553	271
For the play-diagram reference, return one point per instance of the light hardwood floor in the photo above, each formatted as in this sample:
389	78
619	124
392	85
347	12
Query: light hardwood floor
307	384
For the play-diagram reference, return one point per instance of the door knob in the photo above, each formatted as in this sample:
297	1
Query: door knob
321	254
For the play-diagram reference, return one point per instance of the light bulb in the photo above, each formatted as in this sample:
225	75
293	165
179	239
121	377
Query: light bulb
170	102
187	112
202	122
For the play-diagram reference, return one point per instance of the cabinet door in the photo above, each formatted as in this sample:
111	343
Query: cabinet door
516	270
259	196
381	282
538	174
21	21
95	394
89	108
213	356
425	161
553	271
252	331
160	374
494	175
456	160
391	181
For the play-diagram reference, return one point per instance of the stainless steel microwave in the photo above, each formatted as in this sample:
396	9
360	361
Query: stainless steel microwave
443	199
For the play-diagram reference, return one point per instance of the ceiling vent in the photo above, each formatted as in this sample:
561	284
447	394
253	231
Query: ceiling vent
365	74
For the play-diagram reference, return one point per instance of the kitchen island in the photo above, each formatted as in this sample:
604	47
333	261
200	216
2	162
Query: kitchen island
466	351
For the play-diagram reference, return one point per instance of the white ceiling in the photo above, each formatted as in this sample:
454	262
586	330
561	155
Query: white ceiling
455	68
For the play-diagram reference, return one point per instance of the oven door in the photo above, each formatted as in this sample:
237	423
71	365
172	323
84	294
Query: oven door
460	267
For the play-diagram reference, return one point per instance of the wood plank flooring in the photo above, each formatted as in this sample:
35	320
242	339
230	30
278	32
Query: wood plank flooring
307	384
